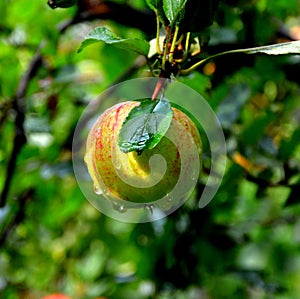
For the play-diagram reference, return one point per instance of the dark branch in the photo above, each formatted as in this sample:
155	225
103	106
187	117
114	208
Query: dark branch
121	13
20	137
17	217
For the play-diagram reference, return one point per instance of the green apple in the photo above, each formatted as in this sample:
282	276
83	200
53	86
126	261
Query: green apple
134	177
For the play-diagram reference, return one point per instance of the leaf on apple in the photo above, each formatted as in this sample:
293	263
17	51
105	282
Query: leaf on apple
145	125
103	34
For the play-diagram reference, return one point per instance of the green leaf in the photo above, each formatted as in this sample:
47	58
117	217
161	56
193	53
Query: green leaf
198	15
276	49
145	125
173	8
289	146
153	4
103	34
157	6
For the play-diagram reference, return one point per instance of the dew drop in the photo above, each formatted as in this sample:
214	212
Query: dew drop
105	192
97	190
118	164
149	208
119	207
169	197
122	209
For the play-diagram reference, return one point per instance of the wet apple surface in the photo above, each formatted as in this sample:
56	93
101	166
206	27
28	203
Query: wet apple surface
140	177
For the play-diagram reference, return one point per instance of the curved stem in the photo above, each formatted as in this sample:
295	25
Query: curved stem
174	43
193	67
197	64
151	67
187	42
186	48
158	49
166	50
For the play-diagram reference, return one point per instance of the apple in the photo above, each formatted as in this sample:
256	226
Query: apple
62	296
56	296
139	177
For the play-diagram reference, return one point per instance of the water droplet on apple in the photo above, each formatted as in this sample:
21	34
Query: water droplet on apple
122	209
97	190
106	193
119	207
169	197
118	164
149	208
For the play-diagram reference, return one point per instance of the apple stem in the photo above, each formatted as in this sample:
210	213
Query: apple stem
160	86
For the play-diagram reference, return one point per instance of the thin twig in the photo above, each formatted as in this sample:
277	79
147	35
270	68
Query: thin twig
20	137
118	12
18	216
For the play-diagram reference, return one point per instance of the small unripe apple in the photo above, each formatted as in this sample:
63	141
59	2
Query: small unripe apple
139	177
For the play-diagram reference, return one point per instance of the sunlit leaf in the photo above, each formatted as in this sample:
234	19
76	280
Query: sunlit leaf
103	34
173	8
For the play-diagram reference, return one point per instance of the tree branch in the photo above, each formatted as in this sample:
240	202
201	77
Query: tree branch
121	13
18	216
20	138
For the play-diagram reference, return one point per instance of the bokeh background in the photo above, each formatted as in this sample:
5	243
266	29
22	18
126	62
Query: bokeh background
244	244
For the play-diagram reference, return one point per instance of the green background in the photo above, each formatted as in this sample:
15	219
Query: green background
244	244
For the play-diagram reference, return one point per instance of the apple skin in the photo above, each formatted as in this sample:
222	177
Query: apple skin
128	176
62	296
56	296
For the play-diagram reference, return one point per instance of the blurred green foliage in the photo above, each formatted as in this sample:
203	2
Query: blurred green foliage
244	244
